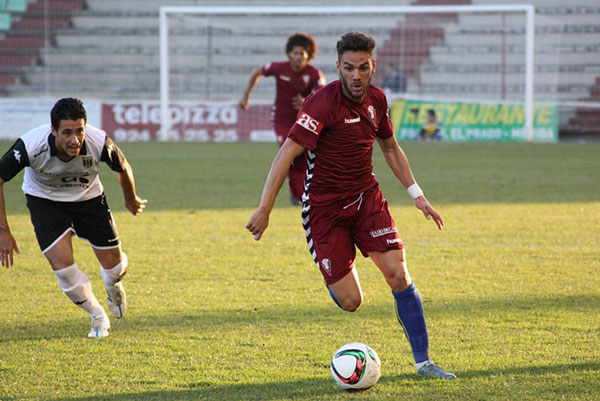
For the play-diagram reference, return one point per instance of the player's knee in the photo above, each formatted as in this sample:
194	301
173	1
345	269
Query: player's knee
112	258
350	302
398	279
59	262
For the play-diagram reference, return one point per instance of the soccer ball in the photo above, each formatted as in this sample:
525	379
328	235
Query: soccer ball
355	366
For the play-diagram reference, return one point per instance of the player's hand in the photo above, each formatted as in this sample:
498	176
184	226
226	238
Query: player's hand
258	223
297	101
423	205
136	206
7	246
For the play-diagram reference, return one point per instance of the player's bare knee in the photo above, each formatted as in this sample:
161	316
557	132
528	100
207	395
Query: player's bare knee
59	262
398	279
110	258
351	303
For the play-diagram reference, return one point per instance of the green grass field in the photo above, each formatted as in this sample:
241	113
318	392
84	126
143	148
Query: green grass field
511	287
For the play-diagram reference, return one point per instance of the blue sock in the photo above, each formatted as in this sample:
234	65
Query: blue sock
333	297
409	311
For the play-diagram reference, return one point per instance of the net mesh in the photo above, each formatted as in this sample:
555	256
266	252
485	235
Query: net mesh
467	56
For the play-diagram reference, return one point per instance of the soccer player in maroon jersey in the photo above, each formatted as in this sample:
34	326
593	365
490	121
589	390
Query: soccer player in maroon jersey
295	80
342	203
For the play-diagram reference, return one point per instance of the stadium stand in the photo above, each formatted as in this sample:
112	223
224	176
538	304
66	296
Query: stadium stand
108	49
26	35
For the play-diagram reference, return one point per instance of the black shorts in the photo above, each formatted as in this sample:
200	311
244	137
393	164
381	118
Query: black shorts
91	220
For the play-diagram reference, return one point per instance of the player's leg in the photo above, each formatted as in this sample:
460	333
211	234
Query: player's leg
76	285
346	292
94	223
296	176
377	237
53	231
117	298
332	249
296	187
409	309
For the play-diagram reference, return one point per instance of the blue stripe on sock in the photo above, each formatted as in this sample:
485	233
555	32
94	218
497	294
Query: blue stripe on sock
409	311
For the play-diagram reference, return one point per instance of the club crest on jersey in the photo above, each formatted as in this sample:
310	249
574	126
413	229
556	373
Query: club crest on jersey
87	161
306	79
326	265
371	111
309	123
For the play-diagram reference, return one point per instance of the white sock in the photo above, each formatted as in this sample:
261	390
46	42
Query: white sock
78	288
113	275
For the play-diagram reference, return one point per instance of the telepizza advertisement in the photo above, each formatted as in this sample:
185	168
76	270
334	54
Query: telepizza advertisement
198	122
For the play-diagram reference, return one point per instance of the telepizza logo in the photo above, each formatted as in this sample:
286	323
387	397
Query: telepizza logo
310	123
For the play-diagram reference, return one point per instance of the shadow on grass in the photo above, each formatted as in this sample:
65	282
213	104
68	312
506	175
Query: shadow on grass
297	390
282	315
321	388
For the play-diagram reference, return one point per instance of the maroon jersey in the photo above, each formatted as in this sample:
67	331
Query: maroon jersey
339	134
289	84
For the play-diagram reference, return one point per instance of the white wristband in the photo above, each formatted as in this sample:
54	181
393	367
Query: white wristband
414	191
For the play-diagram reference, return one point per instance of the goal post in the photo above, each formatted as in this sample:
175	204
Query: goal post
203	58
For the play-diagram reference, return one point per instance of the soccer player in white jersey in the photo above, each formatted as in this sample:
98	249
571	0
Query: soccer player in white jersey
65	197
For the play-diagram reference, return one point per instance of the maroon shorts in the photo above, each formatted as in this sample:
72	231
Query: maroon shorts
332	232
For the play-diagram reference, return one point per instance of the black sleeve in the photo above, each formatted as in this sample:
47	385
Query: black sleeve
112	155
13	161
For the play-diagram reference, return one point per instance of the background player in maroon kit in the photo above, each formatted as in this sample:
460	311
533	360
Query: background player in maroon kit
295	80
342	204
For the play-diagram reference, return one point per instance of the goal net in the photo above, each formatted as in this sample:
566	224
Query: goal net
473	65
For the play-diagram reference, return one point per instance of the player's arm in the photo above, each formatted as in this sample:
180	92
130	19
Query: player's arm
8	244
281	164
112	155
297	101
398	162
13	161
254	78
133	203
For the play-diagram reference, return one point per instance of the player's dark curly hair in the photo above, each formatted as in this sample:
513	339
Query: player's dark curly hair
355	42
67	108
303	40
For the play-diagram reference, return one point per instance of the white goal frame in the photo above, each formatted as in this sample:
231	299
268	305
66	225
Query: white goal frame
528	9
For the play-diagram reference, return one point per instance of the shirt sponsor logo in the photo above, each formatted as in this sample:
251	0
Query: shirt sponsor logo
393	241
352	120
383	231
326	265
17	155
310	123
285	78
